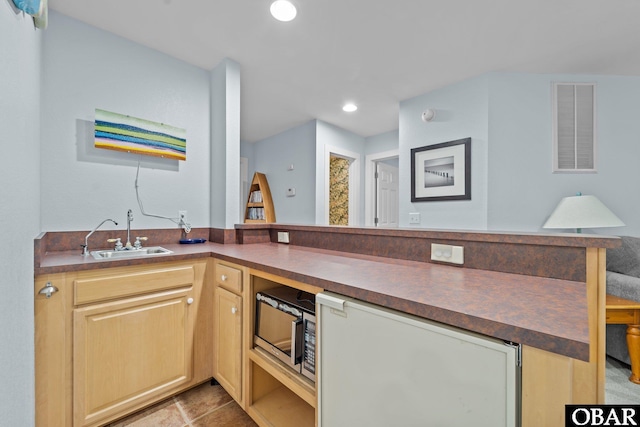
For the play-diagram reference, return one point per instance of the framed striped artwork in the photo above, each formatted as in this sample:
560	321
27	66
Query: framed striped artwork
115	131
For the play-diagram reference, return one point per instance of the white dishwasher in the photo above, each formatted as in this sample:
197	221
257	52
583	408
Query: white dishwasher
380	368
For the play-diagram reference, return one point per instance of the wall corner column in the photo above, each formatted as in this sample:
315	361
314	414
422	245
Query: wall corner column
225	145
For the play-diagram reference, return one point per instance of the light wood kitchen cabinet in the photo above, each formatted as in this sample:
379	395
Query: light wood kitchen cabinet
271	393
227	327
53	360
228	331
113	341
130	351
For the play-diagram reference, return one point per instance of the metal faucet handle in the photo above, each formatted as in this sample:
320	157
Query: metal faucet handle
117	242
138	243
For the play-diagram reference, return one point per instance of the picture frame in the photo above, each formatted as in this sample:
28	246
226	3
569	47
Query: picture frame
441	171
120	132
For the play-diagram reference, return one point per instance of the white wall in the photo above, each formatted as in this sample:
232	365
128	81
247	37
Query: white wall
382	142
304	146
522	189
273	156
224	164
19	210
246	150
508	117
462	111
86	68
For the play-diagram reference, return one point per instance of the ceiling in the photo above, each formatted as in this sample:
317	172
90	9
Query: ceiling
374	53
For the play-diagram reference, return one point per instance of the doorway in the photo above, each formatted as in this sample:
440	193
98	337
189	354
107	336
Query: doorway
386	193
381	189
338	190
350	165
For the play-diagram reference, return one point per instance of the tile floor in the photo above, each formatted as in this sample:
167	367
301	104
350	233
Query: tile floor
202	406
211	406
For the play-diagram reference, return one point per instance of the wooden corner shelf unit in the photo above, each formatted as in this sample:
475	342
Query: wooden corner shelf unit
259	207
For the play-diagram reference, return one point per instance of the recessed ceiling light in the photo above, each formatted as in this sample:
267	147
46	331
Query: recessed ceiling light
349	108
283	10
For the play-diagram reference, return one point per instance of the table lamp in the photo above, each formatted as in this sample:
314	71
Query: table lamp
582	212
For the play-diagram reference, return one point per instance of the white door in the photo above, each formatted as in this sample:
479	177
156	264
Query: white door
386	195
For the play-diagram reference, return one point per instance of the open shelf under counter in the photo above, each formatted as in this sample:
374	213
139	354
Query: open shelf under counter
299	385
279	397
282	408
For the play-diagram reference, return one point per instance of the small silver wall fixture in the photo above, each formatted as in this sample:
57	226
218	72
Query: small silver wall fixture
428	115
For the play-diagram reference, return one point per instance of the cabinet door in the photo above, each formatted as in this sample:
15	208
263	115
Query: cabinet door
127	352
227	363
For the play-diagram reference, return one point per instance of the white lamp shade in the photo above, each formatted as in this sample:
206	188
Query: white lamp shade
582	212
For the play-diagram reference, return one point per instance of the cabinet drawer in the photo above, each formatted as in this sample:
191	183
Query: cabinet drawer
229	277
113	286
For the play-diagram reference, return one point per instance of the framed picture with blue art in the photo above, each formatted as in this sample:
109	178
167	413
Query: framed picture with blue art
441	171
114	131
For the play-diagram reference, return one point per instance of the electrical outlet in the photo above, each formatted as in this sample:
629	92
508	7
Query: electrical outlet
414	218
283	237
183	216
447	253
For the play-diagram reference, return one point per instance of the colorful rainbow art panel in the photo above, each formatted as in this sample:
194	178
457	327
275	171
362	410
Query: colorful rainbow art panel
115	131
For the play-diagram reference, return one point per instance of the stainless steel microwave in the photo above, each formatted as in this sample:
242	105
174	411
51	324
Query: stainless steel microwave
286	327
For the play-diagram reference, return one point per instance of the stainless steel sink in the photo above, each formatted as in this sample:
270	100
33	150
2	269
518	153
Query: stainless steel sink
133	253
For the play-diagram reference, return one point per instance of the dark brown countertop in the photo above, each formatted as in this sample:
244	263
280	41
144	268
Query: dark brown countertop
64	261
530	238
550	314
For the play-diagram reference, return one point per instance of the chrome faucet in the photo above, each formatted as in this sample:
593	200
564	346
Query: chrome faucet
186	227
85	247
129	219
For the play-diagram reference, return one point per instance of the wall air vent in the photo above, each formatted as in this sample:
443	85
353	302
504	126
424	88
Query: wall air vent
574	127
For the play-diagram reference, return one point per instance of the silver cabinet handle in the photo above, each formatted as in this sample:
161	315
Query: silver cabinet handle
48	290
234	310
190	301
223	278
